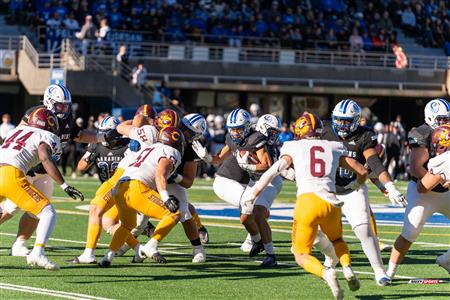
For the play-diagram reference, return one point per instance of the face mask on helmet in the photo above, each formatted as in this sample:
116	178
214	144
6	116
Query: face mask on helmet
343	126
272	135
237	134
189	135
442	120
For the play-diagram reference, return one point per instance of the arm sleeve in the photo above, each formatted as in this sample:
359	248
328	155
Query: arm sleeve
75	131
369	140
91	153
270	174
417	139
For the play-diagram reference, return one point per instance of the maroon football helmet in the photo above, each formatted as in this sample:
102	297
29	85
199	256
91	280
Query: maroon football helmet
45	119
440	139
173	137
167	118
146	111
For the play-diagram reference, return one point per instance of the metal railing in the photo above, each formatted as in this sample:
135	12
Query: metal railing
8	42
299	82
274	56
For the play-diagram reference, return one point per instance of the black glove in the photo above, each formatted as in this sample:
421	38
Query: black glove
112	137
172	204
74	193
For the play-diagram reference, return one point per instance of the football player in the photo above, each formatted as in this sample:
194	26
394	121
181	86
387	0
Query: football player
422	206
361	142
24	148
241	137
315	163
104	202
143	188
56	98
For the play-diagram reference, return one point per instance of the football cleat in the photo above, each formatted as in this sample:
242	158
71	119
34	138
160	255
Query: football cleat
124	249
41	261
440	260
82	259
104	263
203	234
19	249
199	255
330	278
247	245
257	248
159	258
384	281
139	256
384	247
350	277
269	261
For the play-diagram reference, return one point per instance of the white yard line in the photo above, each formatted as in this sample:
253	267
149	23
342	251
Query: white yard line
47	292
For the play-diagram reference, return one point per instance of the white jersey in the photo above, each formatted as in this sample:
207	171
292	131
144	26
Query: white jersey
315	163
20	148
143	168
440	165
146	135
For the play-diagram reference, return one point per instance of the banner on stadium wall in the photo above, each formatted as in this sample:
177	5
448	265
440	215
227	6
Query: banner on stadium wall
58	76
7	59
55	36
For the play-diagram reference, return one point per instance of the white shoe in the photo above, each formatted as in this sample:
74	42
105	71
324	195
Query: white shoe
247	245
350	277
84	259
199	255
124	249
443	263
19	249
330	278
41	261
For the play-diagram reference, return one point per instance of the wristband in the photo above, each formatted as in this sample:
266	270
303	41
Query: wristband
64	186
251	168
164	195
178	178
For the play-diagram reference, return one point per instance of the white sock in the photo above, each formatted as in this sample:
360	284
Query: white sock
392	269
19	241
370	246
269	248
323	244
47	218
109	255
88	252
151	246
256	238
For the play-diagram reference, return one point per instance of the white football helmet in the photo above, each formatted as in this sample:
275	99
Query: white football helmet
437	112
57	98
219	121
379	127
270	126
345	117
255	109
193	126
107	124
238	124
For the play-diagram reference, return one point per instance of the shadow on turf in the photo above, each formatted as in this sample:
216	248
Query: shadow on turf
405	295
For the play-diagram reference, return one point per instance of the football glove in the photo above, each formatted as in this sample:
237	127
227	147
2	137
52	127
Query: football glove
201	151
353	185
172	204
289	174
74	193
134	145
175	178
243	162
394	195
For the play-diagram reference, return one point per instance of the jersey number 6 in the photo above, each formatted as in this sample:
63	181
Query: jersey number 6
317	165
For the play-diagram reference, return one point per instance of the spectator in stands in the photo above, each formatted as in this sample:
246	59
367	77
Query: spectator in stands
54	21
87	34
101	35
60	9
176	103
139	75
6	126
286	134
408	21
122	56
115	17
70	22
356	41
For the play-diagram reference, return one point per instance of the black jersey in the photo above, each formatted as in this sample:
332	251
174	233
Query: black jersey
189	155
106	160
68	131
357	142
421	137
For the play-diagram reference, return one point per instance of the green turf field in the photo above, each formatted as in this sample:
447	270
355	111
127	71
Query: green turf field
228	273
